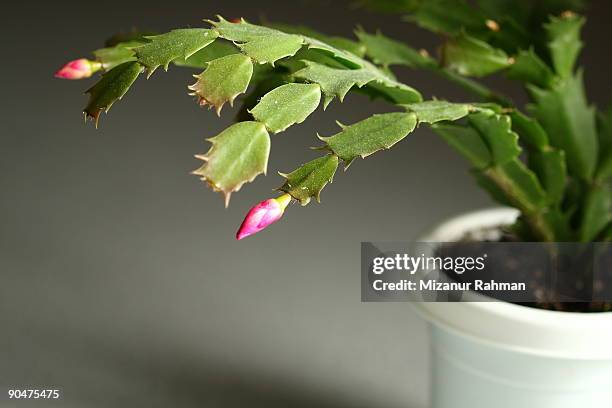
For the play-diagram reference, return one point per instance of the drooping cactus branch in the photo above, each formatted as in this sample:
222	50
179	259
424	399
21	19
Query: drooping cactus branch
554	166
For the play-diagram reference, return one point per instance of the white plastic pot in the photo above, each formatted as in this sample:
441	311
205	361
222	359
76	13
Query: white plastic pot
502	355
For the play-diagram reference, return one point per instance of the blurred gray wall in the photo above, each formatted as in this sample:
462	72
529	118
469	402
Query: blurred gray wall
120	279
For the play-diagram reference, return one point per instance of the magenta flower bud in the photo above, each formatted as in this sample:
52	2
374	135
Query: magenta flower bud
78	69
262	215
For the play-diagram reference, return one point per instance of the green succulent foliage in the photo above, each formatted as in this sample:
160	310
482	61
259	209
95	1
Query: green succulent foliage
348	59
564	42
496	132
354	47
513	184
392	91
111	87
384	84
516	10
467	142
375	133
223	80
287	105
305	54
522	11
437	111
177	44
569	122
118	54
551	169
555	166
271	40
380	85
604	169
470	56
334	82
528	67
308	180
263	44
491	146
260	85
606	234
518	185
385	51
237	155
530	131
515	19
447	16
546	161
120	48
597	212
505	30
211	52
271	49
197	48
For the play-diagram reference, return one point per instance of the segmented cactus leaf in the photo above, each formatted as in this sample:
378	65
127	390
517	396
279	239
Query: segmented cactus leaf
438	111
110	88
176	44
237	155
308	180
223	80
368	136
287	105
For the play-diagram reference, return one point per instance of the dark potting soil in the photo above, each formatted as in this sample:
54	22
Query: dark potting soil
570	286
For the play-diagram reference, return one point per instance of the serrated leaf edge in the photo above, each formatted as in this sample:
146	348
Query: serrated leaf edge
200	172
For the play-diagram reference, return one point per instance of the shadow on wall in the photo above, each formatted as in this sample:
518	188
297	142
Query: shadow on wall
96	372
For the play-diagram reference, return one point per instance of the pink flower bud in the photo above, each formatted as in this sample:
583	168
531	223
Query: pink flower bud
262	215
78	69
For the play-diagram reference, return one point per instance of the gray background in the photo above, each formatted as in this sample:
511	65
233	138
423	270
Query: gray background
121	281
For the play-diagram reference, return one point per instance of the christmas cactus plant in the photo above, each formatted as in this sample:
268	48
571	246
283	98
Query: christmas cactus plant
551	159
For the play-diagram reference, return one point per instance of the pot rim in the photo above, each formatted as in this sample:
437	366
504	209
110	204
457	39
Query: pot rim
511	326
